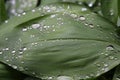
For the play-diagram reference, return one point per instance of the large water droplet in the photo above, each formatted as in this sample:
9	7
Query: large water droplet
82	18
109	48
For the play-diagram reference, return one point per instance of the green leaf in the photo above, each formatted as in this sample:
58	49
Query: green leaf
110	9
3	15
117	73
59	40
6	73
15	7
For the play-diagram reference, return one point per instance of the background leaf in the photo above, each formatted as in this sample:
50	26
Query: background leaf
3	14
15	7
110	9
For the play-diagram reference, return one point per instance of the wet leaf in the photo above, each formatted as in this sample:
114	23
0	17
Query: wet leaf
110	9
3	15
59	40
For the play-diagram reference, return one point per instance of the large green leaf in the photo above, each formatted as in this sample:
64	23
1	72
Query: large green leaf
3	15
60	40
110	9
15	7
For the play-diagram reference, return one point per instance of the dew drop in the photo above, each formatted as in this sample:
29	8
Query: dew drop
24	29
1	52
7	60
84	9
6	21
15	67
82	18
91	25
13	51
111	57
33	10
109	48
50	78
35	26
23	13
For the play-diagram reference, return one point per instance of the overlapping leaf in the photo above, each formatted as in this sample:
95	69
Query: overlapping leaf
3	14
60	40
14	7
110	9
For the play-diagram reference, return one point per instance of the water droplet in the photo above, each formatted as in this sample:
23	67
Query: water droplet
33	10
105	65
50	78
90	4
84	9
1	52
52	16
53	29
6	21
23	13
111	57
7	60
13	51
91	25
82	18
35	26
109	48
15	67
24	29
18	15
6	49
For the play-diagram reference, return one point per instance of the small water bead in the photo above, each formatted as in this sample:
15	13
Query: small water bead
111	12
105	65
6	21
52	16
14	66
35	26
23	13
111	57
91	25
50	78
110	48
18	15
73	15
6	39
24	29
7	60
82	18
84	9
13	51
1	52
117	78
33	10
